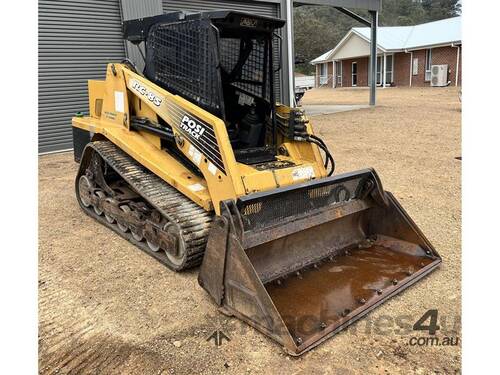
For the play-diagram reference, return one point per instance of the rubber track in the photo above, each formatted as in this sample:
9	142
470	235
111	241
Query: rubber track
193	221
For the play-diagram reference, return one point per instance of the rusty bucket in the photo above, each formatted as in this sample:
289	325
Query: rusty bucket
301	263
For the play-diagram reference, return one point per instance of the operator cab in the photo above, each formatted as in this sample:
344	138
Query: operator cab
223	62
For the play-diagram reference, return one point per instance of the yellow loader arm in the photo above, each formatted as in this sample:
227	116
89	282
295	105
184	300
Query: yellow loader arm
126	103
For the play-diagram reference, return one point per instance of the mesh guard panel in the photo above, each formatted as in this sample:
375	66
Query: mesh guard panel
181	57
251	75
273	208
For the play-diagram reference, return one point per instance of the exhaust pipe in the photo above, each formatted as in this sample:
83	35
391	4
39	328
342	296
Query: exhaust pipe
303	262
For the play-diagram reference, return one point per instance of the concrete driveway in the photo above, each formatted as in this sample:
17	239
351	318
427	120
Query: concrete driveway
327	109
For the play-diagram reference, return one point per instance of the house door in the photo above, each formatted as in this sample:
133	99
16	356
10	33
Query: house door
354	73
388	71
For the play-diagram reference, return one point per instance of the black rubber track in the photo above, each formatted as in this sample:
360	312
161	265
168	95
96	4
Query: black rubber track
192	221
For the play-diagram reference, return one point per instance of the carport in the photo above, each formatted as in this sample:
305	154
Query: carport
344	6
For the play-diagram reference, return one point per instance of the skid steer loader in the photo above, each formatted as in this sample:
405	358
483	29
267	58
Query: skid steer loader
194	162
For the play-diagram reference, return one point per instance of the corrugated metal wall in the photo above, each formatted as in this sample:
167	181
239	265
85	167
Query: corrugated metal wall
76	38
262	8
257	7
132	9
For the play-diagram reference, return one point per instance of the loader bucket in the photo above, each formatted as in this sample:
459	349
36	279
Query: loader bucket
301	263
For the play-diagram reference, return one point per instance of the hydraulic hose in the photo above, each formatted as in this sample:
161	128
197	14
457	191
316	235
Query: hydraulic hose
329	158
325	148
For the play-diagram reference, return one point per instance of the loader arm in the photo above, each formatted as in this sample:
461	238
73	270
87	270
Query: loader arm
132	109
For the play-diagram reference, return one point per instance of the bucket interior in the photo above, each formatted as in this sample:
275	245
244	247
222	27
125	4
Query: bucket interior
326	293
320	278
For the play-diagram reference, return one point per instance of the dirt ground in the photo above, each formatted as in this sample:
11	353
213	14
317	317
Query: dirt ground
106	307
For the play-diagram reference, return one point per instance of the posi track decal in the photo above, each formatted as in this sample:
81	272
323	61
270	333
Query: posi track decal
203	138
191	126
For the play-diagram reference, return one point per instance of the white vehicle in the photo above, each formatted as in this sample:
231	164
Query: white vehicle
302	84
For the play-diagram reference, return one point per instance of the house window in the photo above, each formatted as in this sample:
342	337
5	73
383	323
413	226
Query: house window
380	64
354	71
323	75
338	72
389	63
428	64
415	66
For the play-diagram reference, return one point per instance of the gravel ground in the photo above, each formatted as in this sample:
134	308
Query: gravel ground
105	306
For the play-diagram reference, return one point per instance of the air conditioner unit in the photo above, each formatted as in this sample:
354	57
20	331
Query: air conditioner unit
439	75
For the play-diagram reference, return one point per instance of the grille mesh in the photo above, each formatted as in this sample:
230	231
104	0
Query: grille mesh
251	75
275	208
182	58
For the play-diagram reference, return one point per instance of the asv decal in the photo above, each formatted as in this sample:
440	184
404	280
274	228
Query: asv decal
148	94
192	127
248	22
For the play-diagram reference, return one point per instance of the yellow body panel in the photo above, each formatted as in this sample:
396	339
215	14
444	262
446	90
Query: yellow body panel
125	93
145	152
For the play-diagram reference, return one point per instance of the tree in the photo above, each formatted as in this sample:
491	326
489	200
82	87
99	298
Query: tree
439	9
317	30
401	13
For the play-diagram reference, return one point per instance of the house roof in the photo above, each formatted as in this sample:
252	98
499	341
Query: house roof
388	38
400	38
322	58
